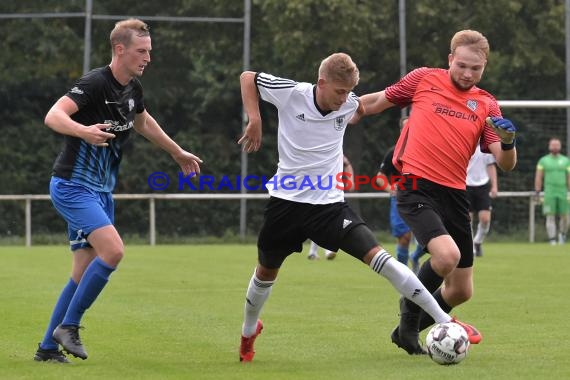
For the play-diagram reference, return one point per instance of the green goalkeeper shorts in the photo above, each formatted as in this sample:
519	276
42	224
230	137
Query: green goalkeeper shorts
555	204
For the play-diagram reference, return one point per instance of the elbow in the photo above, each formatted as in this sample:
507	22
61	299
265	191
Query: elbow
507	166
506	159
246	75
48	120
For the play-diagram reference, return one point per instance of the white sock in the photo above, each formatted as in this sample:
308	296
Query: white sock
482	230
314	248
257	293
551	226
407	284
563	224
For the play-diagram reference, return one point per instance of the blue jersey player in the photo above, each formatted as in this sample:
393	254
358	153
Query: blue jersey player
96	117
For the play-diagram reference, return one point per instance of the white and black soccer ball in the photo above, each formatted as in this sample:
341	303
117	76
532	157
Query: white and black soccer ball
447	343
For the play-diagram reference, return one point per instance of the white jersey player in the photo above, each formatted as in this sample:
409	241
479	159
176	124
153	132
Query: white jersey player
481	188
307	201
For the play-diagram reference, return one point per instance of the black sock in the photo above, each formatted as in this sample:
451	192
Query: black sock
431	280
425	320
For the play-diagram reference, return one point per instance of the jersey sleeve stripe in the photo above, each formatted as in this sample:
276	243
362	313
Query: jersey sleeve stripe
402	92
274	82
275	85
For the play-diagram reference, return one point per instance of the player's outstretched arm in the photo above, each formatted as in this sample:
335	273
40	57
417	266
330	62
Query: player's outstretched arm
251	138
371	104
147	126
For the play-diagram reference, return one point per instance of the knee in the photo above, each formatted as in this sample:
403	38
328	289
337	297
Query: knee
118	254
266	274
404	240
444	262
113	255
458	295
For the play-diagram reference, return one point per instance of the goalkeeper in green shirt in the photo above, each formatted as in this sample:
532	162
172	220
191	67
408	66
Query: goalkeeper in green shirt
554	171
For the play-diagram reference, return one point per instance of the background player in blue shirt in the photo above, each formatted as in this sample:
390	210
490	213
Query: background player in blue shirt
96	117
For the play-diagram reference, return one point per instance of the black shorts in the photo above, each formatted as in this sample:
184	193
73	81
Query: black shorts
288	224
479	198
432	210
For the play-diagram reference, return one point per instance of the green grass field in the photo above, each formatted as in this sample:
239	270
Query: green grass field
175	312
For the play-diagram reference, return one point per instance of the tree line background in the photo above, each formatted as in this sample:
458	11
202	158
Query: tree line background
192	89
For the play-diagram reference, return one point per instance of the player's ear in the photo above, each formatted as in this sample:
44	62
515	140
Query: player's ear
119	49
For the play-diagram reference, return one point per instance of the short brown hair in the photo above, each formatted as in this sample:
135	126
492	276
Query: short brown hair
339	67
471	38
123	31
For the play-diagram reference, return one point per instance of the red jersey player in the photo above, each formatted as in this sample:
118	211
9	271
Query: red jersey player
449	116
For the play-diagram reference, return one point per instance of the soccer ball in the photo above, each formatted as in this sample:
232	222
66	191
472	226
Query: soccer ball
447	343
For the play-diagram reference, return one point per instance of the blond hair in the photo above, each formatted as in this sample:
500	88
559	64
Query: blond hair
124	30
339	67
473	39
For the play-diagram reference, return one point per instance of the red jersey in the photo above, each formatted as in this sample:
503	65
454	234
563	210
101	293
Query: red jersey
444	127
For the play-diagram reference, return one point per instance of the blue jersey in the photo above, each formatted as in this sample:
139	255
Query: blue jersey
100	99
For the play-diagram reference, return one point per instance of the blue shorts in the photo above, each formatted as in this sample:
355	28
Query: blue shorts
399	227
83	209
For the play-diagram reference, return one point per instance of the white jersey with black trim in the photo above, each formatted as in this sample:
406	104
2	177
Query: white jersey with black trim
477	174
309	141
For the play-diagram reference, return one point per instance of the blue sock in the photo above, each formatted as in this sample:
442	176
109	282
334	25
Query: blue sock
92	283
419	252
57	315
402	254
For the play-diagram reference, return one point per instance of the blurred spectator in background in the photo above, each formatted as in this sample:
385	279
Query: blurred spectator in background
553	170
482	186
